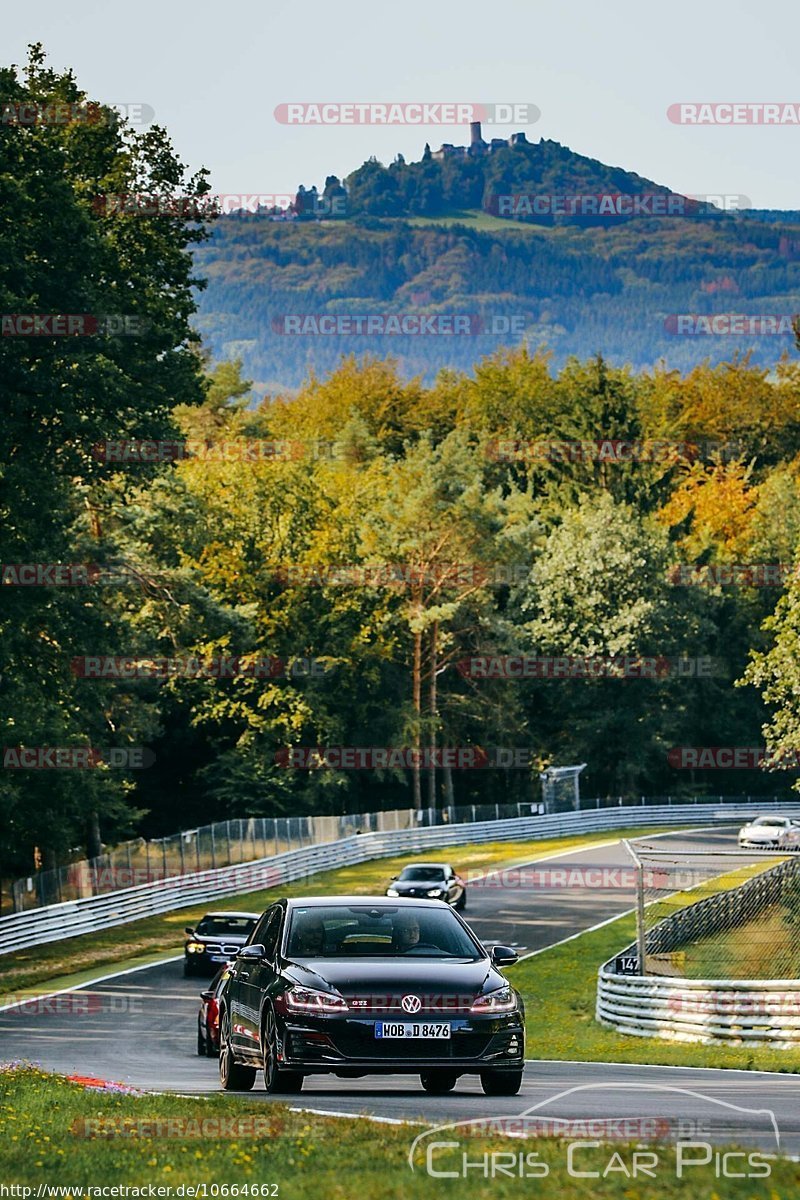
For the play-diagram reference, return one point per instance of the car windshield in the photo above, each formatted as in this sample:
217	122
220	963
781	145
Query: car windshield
358	931
779	821
225	926
422	874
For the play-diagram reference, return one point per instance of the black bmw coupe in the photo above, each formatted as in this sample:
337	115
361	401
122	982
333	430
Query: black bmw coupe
356	986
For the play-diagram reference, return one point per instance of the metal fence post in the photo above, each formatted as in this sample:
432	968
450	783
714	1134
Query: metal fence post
640	932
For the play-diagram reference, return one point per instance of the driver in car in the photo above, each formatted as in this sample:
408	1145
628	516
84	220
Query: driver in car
310	937
406	934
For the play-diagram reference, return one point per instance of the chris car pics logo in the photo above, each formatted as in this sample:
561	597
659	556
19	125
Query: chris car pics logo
659	1132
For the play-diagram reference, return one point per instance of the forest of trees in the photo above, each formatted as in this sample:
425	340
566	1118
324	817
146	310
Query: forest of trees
452	535
611	289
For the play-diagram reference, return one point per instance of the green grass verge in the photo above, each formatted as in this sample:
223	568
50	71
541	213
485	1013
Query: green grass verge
44	1119
75	960
477	219
767	948
560	989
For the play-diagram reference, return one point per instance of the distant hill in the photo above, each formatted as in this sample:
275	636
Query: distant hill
498	180
434	238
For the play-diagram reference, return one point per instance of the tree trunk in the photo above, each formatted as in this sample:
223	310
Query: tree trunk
433	700
448	786
94	845
417	692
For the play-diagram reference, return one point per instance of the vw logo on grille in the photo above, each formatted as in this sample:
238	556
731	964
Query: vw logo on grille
411	1004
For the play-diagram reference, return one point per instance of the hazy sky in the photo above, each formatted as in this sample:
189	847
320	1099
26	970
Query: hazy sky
603	76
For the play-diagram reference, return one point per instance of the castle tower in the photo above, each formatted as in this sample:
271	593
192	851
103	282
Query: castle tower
476	143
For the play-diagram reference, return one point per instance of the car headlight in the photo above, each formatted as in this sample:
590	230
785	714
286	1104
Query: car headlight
392	892
434	892
309	1000
500	1000
195	947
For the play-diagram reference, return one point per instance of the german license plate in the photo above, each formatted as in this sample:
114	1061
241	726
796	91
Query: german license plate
411	1029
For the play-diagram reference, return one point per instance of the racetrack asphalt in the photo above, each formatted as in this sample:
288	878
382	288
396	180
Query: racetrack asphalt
140	1028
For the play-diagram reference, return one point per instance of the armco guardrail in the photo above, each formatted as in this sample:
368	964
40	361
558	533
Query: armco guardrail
759	1011
249	839
765	1011
59	921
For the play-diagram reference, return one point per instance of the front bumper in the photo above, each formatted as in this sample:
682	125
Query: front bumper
335	1044
204	962
414	896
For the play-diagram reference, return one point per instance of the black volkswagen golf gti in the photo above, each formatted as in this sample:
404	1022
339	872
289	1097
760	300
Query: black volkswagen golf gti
356	986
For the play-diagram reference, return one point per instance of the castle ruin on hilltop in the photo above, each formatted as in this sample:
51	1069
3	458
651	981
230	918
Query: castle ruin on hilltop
477	146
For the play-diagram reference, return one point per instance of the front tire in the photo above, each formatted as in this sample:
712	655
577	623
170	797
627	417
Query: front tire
461	902
501	1083
276	1080
438	1083
202	1044
232	1075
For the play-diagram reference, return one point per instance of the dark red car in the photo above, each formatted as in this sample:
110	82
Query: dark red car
208	1016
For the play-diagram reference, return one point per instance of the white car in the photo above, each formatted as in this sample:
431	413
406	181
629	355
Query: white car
781	833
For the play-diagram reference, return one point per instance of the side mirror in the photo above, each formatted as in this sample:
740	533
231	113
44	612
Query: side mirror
393	878
207	995
503	956
252	953
189	930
